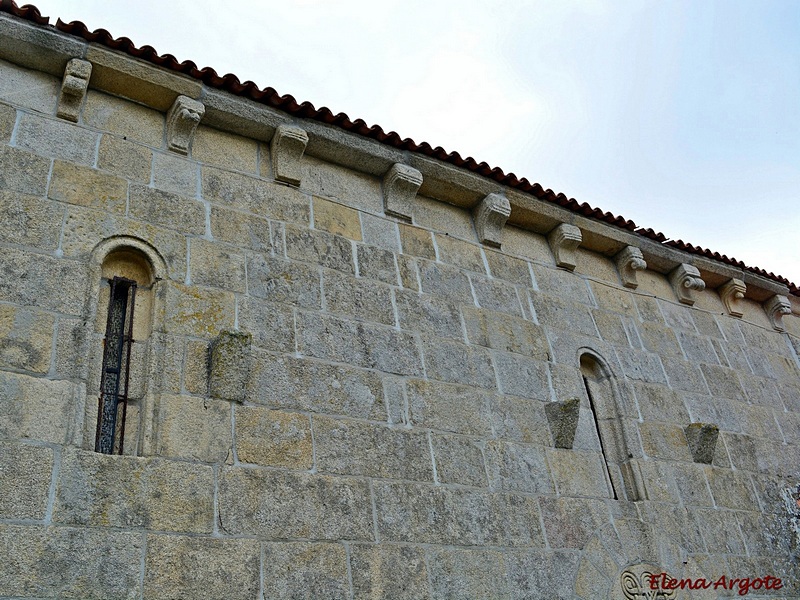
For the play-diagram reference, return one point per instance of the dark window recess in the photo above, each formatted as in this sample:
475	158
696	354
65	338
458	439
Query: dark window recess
113	402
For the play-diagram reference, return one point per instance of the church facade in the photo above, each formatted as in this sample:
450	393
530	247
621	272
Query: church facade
253	350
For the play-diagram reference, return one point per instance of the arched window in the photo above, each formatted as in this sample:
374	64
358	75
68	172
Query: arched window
125	274
606	404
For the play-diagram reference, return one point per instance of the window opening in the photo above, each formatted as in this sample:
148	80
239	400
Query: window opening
600	438
116	367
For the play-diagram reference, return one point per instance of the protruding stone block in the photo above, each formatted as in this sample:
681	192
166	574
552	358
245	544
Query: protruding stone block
629	260
182	121
685	280
287	148
230	365
564	240
702	439
731	294
490	218
776	307
73	89
563	419
400	185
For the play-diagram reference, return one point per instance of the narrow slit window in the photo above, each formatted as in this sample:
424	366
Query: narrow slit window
113	401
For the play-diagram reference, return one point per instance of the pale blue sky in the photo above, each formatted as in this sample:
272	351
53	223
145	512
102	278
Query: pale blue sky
683	116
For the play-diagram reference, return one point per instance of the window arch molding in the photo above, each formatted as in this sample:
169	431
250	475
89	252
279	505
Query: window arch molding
609	402
136	262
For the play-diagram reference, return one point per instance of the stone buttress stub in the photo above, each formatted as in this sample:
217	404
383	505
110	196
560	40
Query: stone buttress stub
400	186
685	280
229	367
287	147
564	240
490	217
73	89
629	260
562	417
182	120
702	440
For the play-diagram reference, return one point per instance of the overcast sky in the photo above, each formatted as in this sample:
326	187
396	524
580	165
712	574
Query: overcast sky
683	115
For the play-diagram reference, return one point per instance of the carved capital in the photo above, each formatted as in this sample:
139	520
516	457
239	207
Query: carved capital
182	121
685	280
702	439
400	186
490	218
629	260
73	89
776	307
731	294
287	147
563	420
564	240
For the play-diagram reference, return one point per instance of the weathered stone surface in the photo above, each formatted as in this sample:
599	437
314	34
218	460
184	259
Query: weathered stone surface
521	376
376	263
356	298
203	313
23	171
520	419
445	281
87	187
379	232
125	158
459	460
56	139
8	117
351	448
336	219
167	209
223	149
308	385
279	505
32	279
569	523
26	338
559	313
539	574
127	120
731	489
121	491
241	229
455	362
273	438
455	516
175	174
194	428
319	248
39	409
417	242
503	332
183	568
230	361
216	265
518	468
578	473
425	313
305	570
279	280
455	408
271	325
385	571
361	344
25	473
467	573
66	562
460	254
254	195
28	88
409	275
493	294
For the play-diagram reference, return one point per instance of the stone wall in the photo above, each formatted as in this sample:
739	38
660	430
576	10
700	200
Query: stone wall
328	401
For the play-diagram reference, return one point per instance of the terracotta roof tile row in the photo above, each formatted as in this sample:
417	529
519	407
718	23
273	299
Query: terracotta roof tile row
306	110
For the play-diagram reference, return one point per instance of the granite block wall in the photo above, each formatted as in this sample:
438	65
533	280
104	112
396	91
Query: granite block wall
330	402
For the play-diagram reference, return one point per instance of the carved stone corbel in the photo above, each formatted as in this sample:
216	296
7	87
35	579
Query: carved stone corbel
731	294
400	186
182	121
685	280
629	260
287	148
702	439
564	240
776	307
73	89
229	367
563	417
490	217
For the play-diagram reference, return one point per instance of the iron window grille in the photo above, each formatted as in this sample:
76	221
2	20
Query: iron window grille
113	401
